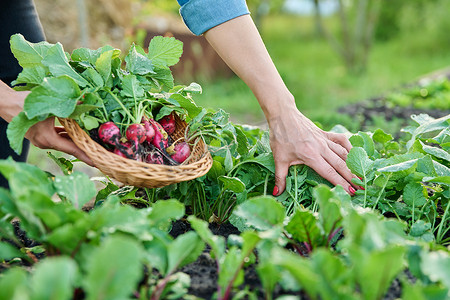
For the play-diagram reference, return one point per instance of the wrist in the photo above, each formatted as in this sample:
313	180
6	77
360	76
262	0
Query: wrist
275	106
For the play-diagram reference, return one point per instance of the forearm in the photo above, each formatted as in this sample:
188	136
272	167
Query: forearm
239	44
11	102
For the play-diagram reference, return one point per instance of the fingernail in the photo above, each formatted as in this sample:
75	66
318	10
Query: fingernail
351	190
360	178
362	188
275	191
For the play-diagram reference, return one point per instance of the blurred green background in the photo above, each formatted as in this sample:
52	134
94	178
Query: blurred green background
410	40
330	53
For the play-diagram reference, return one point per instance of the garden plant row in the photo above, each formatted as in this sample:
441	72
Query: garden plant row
312	242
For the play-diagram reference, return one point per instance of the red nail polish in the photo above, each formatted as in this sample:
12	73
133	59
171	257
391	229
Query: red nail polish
275	191
362	188
351	190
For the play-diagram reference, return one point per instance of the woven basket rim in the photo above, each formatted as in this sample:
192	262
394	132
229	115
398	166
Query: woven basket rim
197	168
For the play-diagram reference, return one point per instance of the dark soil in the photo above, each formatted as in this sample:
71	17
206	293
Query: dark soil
371	109
365	112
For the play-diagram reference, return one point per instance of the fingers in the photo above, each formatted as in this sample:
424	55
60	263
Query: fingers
338	164
281	171
327	171
338	149
66	145
340	139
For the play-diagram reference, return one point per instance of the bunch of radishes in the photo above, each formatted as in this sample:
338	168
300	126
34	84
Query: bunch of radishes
148	141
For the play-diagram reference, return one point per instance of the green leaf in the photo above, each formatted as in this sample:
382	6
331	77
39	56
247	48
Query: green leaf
438	179
229	268
233	184
304	227
17	173
262	213
402	166
183	250
54	278
94	78
243	145
413	194
228	163
431	125
88	122
437	152
90	56
68	236
34	75
8	251
301	269
81	109
164	212
165	50
441	170
359	162
374	271
335	276
216	171
131	87
58	65
57	96
28	54
103	65
436	265
138	63
113	270
14	285
194	88
364	141
420	228
330	215
17	129
187	103
420	291
76	187
381	137
163	75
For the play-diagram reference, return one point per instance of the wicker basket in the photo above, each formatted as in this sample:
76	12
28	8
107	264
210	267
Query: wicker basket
141	174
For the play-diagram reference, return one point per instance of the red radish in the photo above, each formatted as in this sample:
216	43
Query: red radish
168	123
150	131
125	150
155	158
182	152
160	140
109	133
136	134
118	152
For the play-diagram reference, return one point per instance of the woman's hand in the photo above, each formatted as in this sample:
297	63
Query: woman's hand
45	134
295	140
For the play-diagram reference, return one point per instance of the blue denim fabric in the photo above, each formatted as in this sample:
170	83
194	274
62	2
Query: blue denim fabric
201	15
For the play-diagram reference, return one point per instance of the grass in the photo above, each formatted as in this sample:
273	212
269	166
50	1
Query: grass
317	77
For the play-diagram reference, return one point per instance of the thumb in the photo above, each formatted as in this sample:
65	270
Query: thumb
281	171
